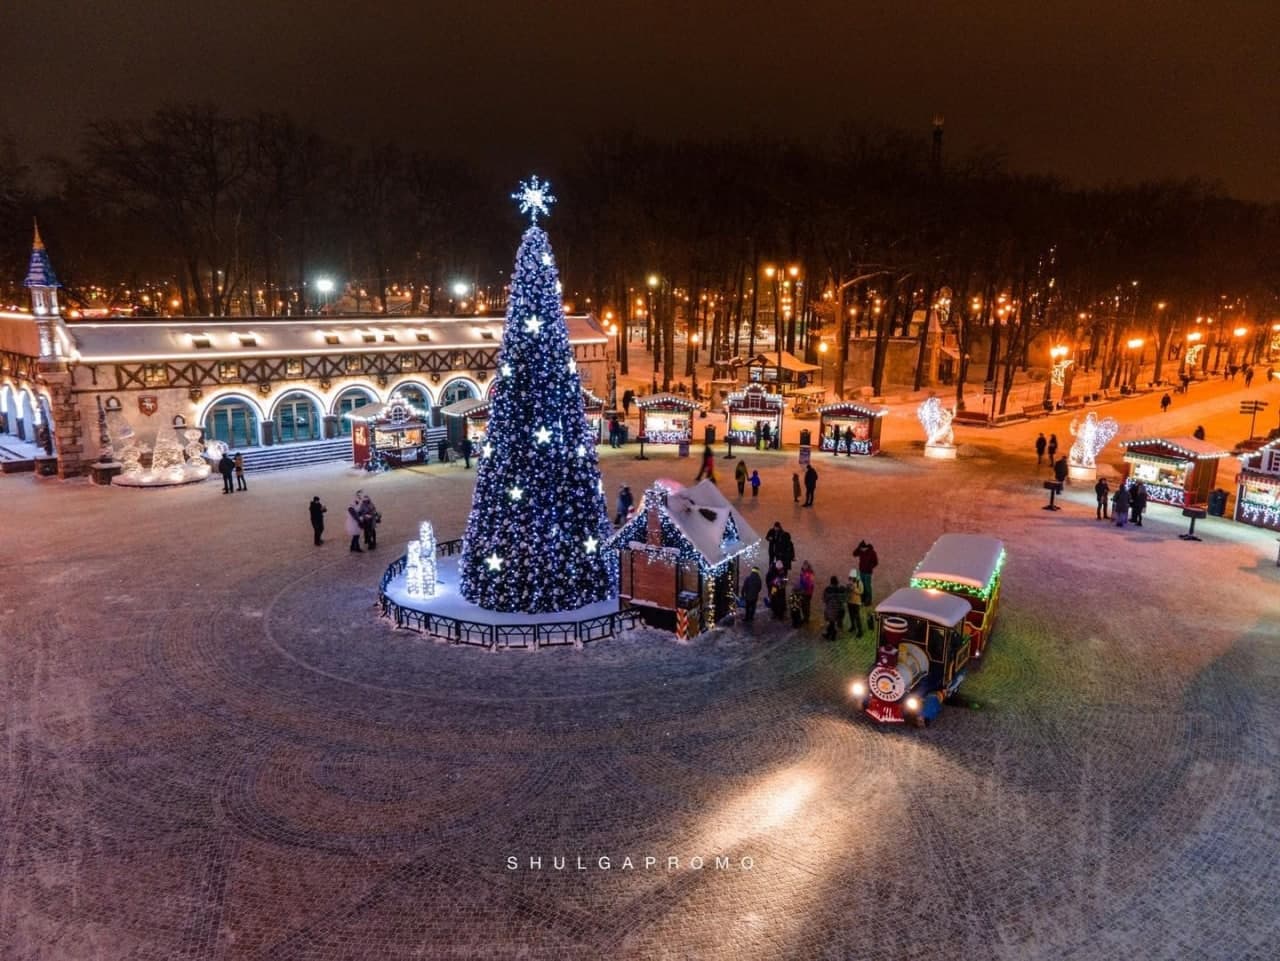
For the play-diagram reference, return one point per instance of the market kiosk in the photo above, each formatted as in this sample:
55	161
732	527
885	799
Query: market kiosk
839	419
679	557
1258	487
469	418
666	418
1174	470
747	413
593	407
394	432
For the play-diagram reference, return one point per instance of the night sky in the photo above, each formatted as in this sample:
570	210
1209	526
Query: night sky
1094	91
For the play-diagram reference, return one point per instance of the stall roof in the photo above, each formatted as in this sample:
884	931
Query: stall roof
756	391
464	407
1185	447
788	361
849	405
937	606
372	412
653	400
702	515
966	559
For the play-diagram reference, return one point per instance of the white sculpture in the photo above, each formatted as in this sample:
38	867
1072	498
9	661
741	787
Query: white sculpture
1091	436
940	439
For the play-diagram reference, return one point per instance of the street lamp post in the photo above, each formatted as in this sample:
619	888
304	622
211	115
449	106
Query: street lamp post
695	337
325	286
1135	344
655	338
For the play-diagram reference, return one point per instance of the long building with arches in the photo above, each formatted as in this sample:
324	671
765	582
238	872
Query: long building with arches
252	382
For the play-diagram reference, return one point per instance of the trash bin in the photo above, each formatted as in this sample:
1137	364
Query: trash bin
1218	502
709	435
804	438
684	448
623	431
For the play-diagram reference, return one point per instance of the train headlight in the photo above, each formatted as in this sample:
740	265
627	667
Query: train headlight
857	689
912	704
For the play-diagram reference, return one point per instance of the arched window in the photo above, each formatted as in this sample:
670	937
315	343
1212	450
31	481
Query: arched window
297	418
349	400
232	420
455	391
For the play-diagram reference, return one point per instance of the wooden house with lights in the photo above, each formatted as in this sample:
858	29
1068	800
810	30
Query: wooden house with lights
395	432
846	427
1174	470
1258	487
679	556
469	417
666	418
748	411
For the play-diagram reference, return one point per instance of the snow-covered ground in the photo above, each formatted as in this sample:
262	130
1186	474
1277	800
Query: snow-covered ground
215	749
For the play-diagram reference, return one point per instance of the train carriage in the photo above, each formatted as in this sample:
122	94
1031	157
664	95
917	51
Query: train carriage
968	566
922	653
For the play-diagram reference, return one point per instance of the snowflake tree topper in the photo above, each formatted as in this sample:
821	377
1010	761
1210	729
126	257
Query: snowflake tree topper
535	198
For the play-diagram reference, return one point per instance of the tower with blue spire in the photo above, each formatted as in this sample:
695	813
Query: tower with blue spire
41	280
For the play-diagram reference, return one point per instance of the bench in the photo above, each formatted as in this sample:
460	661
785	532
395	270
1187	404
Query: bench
971	417
1034	410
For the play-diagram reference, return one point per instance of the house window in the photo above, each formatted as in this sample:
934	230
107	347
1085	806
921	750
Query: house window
369	338
248	340
201	342
388	338
331	339
1271	461
487	334
406	362
424	337
354	364
228	370
293	367
154	375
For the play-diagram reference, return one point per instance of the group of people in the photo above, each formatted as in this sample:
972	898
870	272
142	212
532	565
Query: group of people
740	474
232	466
838	599
838	438
362	520
1128	502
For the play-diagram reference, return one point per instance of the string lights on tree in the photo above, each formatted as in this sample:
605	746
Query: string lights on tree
538	514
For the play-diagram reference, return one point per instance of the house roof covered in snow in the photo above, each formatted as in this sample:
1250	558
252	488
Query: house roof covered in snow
1192	448
700	514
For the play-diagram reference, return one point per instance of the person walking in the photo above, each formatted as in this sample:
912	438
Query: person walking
369	520
810	484
628	396
1165	401
1120	505
442	450
239	465
1052	448
351	523
848	442
317	511
766	435
751	588
774	540
868	561
777	587
853	600
805	586
1137	502
833	603
795	487
1041	443
708	468
1248	376
625	500
467	450
740	475
1103	490
755	483
1060	469
227	467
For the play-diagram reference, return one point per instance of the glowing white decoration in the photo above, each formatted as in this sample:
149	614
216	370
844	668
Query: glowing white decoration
414	582
1192	353
546	260
516	493
487	449
427	559
1060	371
590	544
494	561
936	421
535	198
573	366
506	370
543	435
1091	436
533	325
582	450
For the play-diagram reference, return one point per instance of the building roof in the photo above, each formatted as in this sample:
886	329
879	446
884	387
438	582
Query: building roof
40	270
700	515
466	407
675	400
966	559
227	337
788	362
936	606
849	406
1192	448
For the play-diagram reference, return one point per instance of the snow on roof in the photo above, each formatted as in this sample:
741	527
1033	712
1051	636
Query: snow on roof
164	338
465	407
702	515
396	406
675	400
968	559
937	606
841	406
1192	447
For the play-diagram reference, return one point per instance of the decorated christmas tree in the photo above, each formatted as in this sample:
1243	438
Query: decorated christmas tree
538	520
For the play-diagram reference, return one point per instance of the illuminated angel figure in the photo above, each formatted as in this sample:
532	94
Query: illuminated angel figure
936	420
1091	436
535	198
1060	371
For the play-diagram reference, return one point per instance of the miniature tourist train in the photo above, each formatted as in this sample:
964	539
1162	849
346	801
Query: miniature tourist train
929	634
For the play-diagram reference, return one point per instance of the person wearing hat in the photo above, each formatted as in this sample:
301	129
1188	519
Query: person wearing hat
751	588
777	584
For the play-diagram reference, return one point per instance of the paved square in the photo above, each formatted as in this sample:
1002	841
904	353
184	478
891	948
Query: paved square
213	749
